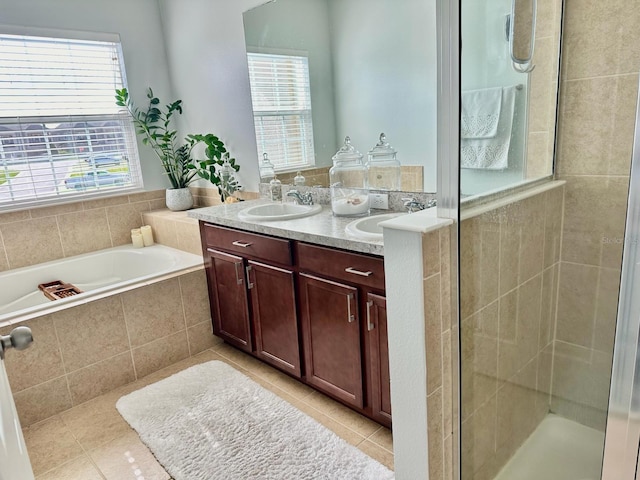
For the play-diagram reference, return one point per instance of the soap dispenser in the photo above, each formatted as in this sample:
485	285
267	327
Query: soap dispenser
299	180
384	167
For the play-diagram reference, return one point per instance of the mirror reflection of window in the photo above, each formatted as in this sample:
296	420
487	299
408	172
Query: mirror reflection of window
281	98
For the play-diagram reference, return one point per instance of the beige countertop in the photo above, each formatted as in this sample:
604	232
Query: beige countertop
321	229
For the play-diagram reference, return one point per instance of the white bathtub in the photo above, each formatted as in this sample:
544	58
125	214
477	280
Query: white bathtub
97	274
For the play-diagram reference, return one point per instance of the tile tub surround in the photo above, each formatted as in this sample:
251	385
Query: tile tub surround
88	350
38	235
509	261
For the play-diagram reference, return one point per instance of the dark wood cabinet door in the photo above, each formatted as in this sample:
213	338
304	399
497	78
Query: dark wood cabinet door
379	358
275	322
331	334
229	306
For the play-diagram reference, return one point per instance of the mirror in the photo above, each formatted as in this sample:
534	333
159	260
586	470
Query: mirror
372	69
510	56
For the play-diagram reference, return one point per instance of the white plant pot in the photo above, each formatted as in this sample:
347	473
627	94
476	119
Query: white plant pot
179	199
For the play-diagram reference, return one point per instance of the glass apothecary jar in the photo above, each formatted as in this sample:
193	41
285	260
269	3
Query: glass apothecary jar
349	182
384	167
267	169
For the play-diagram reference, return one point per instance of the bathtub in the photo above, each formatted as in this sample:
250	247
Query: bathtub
98	274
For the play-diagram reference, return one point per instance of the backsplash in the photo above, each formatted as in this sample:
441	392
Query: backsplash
323	195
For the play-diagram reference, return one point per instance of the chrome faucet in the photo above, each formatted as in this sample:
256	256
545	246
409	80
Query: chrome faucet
412	205
301	198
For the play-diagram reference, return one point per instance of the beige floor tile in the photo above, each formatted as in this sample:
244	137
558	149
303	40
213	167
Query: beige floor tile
81	468
384	456
342	414
50	444
127	458
96	422
98	427
383	437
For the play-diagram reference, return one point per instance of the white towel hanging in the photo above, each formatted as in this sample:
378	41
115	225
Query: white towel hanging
480	113
492	153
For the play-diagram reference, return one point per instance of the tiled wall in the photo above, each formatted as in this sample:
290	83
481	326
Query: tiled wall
42	234
436	247
543	84
85	351
509	261
601	62
209	196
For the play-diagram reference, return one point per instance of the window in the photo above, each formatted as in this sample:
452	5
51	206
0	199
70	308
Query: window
61	133
282	109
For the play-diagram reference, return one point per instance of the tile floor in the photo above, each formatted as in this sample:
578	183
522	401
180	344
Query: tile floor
92	441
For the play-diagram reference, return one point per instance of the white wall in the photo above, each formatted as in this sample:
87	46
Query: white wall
385	62
208	68
140	29
288	25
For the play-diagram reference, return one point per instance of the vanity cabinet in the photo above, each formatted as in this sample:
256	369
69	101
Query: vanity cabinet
316	313
252	293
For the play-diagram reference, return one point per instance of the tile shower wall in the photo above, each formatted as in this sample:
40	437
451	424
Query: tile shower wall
437	301
85	351
543	90
510	258
601	62
29	237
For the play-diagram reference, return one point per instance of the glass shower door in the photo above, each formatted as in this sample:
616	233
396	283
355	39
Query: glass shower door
541	258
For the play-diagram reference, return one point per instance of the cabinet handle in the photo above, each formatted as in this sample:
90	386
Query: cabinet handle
238	279
358	272
370	325
249	282
351	317
238	243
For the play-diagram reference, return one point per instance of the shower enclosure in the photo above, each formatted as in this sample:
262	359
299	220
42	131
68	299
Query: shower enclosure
541	243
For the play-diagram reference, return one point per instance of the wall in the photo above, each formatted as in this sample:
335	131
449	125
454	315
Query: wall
208	69
387	83
438	338
138	24
543	85
85	351
601	62
509	257
304	27
42	234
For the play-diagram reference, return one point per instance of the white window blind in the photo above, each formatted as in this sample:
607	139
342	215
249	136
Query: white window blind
61	133
281	99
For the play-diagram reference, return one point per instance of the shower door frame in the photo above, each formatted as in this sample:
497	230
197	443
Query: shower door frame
622	436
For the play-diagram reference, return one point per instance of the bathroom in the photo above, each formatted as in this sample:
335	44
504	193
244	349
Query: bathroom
522	317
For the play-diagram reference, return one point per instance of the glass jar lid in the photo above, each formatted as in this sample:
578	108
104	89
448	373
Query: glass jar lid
347	153
382	150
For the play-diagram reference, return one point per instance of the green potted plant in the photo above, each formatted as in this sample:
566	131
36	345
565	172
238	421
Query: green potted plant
154	125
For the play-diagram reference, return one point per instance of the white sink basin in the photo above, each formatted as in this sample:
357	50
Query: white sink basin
367	228
278	211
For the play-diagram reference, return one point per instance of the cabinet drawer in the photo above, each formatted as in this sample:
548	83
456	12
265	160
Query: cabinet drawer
248	244
350	267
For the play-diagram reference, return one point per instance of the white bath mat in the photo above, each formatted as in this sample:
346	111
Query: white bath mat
210	422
